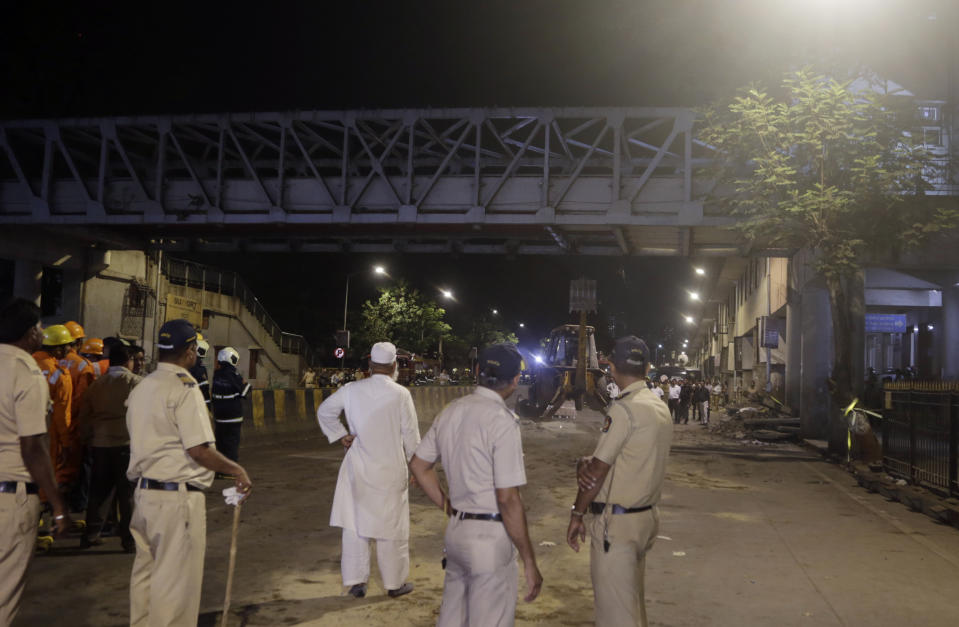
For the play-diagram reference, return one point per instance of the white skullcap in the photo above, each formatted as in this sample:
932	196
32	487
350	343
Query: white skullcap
383	353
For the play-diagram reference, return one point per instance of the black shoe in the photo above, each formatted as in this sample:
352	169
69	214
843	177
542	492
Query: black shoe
86	543
358	591
406	588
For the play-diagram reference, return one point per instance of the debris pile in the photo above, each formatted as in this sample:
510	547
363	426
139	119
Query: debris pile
754	422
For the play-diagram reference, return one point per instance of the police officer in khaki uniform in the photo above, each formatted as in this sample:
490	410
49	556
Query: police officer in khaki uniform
24	458
172	459
477	438
619	487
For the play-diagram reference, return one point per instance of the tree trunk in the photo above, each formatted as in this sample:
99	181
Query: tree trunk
847	298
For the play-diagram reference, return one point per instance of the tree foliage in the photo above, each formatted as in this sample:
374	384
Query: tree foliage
404	316
824	166
835	168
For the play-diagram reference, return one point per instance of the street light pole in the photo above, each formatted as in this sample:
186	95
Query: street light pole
346	304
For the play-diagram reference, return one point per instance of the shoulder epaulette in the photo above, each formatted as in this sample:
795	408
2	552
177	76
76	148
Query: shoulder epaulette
186	379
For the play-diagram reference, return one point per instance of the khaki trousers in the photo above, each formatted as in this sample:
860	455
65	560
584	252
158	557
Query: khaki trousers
481	575
169	529
618	574
19	514
392	556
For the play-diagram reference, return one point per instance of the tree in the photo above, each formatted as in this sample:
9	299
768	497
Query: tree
832	169
404	316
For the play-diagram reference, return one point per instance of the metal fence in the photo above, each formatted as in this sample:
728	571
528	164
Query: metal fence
199	276
920	429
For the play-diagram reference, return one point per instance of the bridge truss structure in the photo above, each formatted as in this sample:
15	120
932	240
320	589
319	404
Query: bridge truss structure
595	181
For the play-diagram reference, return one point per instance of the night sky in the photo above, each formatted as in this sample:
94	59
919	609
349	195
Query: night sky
84	58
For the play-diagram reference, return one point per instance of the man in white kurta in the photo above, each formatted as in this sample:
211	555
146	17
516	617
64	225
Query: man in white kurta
371	501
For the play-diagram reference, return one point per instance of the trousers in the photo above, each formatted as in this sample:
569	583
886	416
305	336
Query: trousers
18	539
392	557
618	575
228	438
109	481
169	529
481	575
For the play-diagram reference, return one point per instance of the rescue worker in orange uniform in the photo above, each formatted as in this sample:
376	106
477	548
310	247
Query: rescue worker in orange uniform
92	353
56	343
81	371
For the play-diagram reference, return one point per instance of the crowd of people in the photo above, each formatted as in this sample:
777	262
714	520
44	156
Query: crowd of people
156	440
686	397
91	443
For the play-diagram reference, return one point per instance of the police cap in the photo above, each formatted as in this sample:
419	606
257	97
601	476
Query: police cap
175	334
500	361
630	352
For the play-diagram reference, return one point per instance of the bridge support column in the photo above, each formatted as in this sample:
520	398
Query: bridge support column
816	354
793	341
26	279
950	328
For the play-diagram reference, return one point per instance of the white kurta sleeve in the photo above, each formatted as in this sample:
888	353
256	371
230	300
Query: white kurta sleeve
410	426
328	415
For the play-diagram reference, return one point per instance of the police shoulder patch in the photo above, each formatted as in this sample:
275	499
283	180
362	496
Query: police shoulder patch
607	423
186	379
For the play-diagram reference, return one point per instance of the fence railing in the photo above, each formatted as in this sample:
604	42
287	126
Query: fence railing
920	429
199	276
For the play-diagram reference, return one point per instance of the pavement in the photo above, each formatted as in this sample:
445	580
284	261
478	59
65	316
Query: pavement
750	535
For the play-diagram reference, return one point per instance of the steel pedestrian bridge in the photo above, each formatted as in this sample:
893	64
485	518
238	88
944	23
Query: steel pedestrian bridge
598	181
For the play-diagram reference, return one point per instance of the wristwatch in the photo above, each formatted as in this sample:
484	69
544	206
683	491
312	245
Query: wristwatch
573	512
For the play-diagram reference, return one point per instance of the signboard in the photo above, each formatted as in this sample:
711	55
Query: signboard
582	295
180	307
769	331
338	353
885	323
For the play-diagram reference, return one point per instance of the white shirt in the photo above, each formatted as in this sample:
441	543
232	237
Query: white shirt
24	402
658	391
372	495
166	415
478	440
674	392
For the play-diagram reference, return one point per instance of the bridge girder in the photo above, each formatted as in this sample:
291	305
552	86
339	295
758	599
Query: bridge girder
565	179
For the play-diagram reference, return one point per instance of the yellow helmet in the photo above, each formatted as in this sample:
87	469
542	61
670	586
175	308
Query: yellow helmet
76	331
57	335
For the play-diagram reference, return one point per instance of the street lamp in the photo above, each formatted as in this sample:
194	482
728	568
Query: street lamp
522	326
495	312
379	270
701	271
694	295
448	294
689	319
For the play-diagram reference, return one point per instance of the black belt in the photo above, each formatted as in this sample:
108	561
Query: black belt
11	487
597	508
497	517
171	486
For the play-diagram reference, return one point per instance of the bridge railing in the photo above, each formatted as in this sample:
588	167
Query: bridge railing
207	278
920	430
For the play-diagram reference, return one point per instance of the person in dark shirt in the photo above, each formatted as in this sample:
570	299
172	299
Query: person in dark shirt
685	399
229	390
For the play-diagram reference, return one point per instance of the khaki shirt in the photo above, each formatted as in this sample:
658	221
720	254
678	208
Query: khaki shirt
636	444
24	401
478	440
103	408
166	416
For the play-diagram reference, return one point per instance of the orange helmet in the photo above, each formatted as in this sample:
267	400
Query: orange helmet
75	330
93	346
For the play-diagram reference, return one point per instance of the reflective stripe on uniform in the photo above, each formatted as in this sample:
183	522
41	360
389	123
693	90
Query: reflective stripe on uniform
245	390
230	420
222	397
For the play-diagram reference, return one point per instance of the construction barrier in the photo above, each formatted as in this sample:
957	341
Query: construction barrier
269	412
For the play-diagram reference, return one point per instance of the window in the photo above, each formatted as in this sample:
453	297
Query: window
929	114
254	357
932	136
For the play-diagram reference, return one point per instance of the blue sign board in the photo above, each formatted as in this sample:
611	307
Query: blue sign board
885	323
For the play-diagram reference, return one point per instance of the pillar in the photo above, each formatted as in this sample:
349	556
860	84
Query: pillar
950	328
816	360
